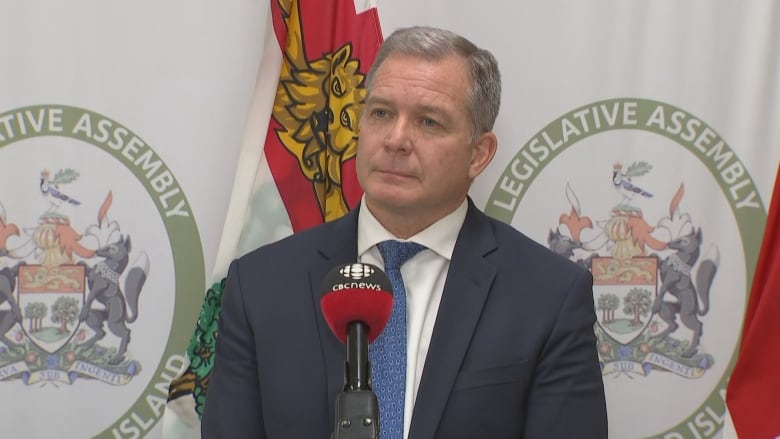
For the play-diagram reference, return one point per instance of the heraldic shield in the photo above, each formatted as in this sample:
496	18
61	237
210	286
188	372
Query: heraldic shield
51	298
624	291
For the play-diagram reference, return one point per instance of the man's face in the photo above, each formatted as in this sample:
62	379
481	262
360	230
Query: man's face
415	156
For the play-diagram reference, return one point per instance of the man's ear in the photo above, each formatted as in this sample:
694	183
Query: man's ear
484	151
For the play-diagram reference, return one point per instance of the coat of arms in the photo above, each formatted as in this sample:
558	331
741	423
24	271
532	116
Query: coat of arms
645	287
60	298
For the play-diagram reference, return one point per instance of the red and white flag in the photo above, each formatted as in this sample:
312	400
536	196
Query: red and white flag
296	165
753	393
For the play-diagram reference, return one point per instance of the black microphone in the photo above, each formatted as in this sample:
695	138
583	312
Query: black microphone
356	301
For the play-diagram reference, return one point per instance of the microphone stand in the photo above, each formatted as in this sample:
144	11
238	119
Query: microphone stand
357	409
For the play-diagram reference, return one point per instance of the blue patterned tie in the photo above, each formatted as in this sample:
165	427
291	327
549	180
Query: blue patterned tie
388	352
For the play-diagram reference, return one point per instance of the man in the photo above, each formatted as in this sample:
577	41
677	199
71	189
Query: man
500	340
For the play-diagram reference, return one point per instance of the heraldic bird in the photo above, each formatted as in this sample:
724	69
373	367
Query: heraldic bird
50	188
622	180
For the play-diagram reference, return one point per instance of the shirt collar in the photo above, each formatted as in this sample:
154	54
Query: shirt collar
439	237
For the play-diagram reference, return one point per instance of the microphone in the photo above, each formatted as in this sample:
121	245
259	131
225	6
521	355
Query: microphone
356	302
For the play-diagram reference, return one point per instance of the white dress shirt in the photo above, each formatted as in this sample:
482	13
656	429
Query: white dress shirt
424	276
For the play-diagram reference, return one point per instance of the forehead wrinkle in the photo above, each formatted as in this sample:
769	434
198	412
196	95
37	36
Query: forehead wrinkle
411	83
430	104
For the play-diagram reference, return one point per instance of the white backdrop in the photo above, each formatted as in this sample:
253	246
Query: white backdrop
180	76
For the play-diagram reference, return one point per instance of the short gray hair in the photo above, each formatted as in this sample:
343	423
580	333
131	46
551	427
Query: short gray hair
484	94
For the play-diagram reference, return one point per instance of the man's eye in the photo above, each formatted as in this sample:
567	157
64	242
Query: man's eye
430	123
379	113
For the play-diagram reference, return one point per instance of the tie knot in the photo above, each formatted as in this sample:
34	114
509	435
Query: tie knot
395	253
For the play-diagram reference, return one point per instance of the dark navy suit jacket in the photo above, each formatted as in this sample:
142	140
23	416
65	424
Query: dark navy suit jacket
512	355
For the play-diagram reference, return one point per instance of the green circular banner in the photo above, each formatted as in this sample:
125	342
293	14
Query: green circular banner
703	142
74	361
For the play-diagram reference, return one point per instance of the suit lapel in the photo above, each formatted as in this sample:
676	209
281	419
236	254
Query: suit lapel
339	246
465	291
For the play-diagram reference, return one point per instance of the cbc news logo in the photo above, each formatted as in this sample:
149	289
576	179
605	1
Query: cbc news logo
357	271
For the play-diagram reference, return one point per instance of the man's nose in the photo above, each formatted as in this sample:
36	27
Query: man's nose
398	135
